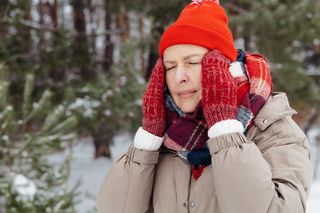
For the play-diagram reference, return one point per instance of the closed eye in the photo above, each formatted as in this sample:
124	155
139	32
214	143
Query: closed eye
170	68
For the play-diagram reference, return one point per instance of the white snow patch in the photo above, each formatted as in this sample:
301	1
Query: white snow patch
313	204
25	188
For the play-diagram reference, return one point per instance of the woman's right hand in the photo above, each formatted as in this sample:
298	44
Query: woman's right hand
153	104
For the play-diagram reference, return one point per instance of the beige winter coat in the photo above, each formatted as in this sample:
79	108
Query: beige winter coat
267	171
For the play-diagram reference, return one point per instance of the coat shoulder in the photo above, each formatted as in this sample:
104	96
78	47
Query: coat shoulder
274	126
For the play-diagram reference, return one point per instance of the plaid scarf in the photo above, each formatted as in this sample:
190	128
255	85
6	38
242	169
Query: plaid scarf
186	133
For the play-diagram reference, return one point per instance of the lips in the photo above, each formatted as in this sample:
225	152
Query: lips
186	93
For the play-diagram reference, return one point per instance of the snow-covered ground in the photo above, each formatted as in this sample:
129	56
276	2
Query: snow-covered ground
313	205
92	172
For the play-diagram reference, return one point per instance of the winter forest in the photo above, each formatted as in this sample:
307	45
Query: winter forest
72	75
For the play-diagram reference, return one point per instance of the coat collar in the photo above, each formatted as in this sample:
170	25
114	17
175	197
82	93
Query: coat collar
276	108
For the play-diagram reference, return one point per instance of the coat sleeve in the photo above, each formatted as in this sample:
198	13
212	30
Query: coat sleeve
273	174
128	185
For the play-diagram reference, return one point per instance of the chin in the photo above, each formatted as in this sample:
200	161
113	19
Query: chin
187	106
188	109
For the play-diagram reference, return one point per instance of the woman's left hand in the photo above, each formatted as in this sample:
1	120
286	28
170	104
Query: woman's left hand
219	90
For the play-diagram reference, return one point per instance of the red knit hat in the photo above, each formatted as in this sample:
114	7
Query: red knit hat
203	23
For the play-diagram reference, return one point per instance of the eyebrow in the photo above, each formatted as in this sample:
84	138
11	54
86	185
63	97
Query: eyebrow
184	58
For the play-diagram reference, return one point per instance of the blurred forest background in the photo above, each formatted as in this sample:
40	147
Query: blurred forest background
78	68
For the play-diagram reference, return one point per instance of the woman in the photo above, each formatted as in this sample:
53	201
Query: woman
214	137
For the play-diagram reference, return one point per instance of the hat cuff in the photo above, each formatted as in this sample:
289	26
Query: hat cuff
192	34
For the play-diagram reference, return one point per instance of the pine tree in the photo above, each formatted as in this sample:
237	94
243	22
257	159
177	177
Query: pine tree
285	32
29	132
111	104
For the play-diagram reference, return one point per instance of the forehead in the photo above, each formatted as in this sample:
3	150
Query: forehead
183	50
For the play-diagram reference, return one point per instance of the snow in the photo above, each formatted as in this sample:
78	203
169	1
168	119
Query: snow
25	188
107	112
91	172
313	205
86	104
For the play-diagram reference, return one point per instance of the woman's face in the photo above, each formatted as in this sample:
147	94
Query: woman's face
183	75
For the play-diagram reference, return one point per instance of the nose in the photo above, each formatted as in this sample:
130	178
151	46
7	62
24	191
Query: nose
181	75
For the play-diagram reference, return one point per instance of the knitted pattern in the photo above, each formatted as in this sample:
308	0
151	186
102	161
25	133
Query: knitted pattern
153	107
219	91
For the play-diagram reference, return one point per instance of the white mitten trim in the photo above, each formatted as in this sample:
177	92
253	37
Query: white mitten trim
147	141
225	127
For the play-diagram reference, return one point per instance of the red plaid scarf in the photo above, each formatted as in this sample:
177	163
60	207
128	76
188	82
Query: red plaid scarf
254	86
187	133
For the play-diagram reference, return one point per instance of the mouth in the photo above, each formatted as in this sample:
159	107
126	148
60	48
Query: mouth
186	93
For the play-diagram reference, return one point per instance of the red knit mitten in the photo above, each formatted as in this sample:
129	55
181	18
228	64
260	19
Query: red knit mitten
219	92
153	106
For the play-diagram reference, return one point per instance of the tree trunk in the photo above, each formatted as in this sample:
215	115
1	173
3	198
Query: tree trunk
152	59
102	139
246	41
153	54
109	46
123	23
21	44
25	32
93	37
80	44
4	11
315	113
54	14
57	73
42	43
142	50
3	30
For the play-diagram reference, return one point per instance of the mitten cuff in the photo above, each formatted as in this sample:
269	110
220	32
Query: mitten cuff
147	141
225	127
217	113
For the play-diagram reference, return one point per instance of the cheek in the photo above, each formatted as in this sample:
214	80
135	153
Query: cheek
196	76
170	82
